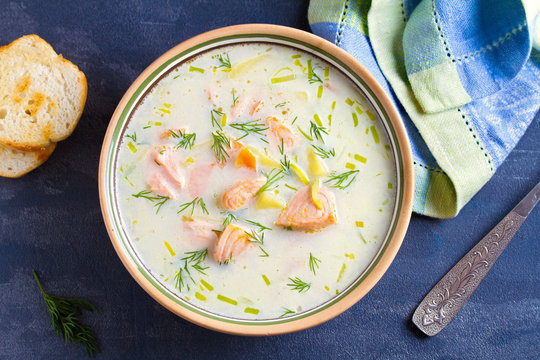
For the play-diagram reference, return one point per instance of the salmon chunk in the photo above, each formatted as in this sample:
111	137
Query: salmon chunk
231	243
302	213
279	131
240	193
200	232
160	185
199	179
167	159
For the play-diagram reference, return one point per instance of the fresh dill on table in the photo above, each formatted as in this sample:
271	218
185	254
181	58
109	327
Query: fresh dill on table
253	127
299	285
271	179
324	154
192	204
342	181
64	315
220	143
224	61
193	260
316	131
313	263
159	199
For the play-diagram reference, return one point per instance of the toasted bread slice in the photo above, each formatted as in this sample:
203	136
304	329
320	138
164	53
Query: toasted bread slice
42	95
14	163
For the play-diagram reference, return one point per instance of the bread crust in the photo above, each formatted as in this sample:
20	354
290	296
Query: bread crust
40	136
14	163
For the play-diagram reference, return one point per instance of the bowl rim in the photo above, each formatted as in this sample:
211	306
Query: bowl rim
386	253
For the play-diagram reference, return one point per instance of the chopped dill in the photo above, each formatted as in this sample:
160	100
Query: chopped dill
251	127
265	254
323	153
313	263
342	181
316	131
313	77
229	219
299	285
159	198
287	312
193	260
226	261
216	121
186	140
220	143
257	237
234	98
271	180
294	120
259	225
132	137
64	313
224	61
280	104
192	204
285	162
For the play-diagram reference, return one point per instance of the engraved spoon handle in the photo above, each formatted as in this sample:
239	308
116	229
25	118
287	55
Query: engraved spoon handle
444	301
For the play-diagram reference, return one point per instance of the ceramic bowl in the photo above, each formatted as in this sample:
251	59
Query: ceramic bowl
366	84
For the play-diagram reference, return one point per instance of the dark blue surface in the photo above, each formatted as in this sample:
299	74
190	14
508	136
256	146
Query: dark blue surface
50	221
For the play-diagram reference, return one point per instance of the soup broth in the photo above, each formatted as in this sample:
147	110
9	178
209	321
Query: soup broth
255	181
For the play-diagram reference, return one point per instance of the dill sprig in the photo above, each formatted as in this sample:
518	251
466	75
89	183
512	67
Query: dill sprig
285	162
216	121
313	77
64	313
234	98
265	254
316	131
192	204
224	61
260	226
229	219
313	263
324	154
287	312
251	127
193	260
186	140
256	237
299	285
220	143
271	179
159	198
342	181
132	137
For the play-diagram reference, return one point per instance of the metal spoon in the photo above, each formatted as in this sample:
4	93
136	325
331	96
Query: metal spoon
444	301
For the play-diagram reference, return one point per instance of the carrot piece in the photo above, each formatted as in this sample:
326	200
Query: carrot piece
247	159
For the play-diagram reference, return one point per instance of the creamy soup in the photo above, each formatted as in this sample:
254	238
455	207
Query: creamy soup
255	181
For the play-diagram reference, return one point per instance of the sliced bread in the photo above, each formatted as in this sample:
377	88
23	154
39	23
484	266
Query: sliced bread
14	163
42	95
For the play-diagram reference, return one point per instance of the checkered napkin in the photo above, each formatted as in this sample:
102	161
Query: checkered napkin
465	75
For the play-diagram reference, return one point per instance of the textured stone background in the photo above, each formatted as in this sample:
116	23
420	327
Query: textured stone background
50	221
